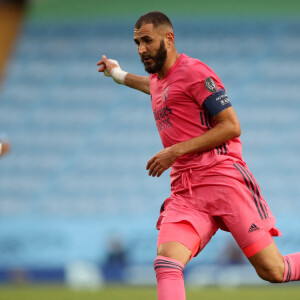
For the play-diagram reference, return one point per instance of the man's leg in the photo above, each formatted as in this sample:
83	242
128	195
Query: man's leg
270	265
172	257
169	264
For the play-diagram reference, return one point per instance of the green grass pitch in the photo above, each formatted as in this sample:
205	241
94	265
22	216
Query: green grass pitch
269	292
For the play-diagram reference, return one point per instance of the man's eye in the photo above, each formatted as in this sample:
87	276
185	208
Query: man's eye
148	41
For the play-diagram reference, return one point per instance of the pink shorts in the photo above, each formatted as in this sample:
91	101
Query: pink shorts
227	197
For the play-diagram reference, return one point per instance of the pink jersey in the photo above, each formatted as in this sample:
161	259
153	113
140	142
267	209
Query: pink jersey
177	103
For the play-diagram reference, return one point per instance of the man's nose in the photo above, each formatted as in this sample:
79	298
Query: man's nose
142	48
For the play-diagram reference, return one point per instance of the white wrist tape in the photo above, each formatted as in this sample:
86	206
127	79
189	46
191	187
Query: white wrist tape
0	148
116	73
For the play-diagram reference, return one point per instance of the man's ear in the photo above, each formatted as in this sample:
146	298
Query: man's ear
169	39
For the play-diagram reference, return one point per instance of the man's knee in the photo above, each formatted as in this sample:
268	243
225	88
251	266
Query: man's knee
174	250
169	249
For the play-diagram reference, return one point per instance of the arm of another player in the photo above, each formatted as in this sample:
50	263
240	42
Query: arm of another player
112	69
4	148
227	127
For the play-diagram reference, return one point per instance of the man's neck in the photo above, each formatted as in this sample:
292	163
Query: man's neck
171	60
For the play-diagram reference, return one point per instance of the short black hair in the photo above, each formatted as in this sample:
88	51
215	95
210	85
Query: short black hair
156	18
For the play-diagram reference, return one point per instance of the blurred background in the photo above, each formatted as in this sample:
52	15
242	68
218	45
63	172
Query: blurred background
77	206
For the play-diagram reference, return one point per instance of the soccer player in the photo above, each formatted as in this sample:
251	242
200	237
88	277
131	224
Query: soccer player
211	185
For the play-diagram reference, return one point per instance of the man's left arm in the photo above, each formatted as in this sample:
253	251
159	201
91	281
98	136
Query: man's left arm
227	127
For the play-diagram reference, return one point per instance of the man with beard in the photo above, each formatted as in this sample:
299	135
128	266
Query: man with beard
211	185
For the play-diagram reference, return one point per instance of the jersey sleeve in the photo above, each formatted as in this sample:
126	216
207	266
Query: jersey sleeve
209	92
205	86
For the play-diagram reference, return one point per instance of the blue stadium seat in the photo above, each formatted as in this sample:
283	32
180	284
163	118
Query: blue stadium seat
81	143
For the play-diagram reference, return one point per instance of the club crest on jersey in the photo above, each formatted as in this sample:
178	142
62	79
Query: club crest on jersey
210	85
165	94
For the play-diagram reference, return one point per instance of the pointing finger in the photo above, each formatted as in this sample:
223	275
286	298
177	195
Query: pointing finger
104	58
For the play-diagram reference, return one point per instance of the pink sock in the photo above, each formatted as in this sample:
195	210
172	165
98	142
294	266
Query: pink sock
291	267
169	275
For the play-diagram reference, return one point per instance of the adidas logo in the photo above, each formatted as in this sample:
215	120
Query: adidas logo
253	227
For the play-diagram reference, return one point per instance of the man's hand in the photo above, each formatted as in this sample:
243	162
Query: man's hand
106	65
161	161
111	68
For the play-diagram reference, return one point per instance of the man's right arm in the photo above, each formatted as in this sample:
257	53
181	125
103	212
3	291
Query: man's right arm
112	69
138	82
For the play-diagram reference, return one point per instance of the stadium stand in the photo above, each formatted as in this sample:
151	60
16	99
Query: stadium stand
80	143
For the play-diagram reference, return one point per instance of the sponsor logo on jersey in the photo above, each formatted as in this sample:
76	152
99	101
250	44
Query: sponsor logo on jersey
210	85
162	119
162	113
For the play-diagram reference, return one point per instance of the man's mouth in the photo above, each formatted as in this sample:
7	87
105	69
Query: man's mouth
147	59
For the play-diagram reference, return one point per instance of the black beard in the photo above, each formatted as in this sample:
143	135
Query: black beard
159	59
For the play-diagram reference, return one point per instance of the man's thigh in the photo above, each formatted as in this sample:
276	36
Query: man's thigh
178	240
181	221
249	219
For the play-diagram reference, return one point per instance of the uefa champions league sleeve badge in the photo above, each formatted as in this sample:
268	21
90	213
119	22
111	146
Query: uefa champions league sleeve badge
210	85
